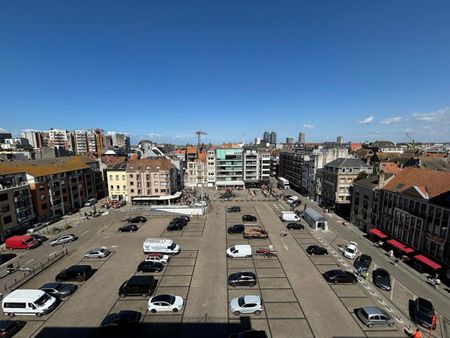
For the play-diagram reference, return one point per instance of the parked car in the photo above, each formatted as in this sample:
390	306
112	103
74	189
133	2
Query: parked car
295	226
372	315
90	202
236	229
150	266
76	273
239	251
249	218
234	209
351	250
63	239
242	279
157	257
39	238
129	228
316	250
246	305
9	328
36	227
250	334
137	219
97	253
179	220
185	217
164	303
125	318
138	286
59	290
362	263
422	312
382	279
340	277
175	226
21	242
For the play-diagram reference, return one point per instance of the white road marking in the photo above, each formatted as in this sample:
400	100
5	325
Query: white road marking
53	253
29	261
84	233
392	289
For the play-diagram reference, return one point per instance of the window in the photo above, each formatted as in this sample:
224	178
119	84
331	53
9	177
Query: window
15	305
110	177
138	177
132	190
5	208
7	219
42	197
156	190
123	177
131	183
117	177
44	206
3	197
118	187
156	183
124	187
131	176
112	187
139	191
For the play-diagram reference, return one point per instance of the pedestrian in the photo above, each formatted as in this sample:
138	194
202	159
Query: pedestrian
416	334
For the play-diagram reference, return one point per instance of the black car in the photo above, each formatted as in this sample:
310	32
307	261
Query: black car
9	328
296	226
250	334
137	219
382	279
186	218
39	238
242	279
340	277
6	257
129	228
76	273
180	220
362	263
236	229
422	312
249	218
121	319
175	226
138	286
59	290
234	209
150	266
315	250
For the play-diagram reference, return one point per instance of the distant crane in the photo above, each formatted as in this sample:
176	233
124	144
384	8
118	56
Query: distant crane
412	144
199	133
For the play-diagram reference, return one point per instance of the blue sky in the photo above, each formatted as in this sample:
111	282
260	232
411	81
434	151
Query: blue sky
366	70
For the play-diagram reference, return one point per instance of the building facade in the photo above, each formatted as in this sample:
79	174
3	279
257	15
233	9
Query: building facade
256	165
211	167
117	182
301	138
34	137
337	178
16	207
57	138
80	142
229	167
273	138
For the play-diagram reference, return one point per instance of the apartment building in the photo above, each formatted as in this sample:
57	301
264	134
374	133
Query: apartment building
229	168
80	142
256	164
415	210
57	185
291	166
34	137
151	180
314	161
121	141
211	167
16	207
117	182
337	178
196	174
58	138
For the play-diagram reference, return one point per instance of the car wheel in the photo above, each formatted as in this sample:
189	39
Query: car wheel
313	254
354	281
121	295
153	310
370	325
253	284
175	310
335	282
257	312
10	314
39	314
144	294
58	280
391	324
237	313
233	285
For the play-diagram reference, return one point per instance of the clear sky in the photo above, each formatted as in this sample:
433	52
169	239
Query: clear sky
160	70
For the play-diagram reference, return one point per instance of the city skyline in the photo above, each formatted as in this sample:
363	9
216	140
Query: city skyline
161	72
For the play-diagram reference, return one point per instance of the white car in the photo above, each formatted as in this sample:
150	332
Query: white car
36	227
164	303
351	250
63	239
246	304
97	253
159	258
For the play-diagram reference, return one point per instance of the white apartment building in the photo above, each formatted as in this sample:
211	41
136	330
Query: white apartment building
256	165
58	138
211	167
80	141
196	174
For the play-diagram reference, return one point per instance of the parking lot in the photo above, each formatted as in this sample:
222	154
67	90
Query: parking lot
298	302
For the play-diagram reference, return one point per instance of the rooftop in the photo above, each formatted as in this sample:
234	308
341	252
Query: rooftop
44	167
150	164
348	163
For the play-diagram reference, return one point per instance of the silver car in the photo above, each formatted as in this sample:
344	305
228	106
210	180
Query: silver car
63	239
372	315
97	253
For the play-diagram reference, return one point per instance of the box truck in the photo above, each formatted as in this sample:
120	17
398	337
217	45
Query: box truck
21	242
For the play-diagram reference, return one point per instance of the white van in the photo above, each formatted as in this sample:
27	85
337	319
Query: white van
292	199
161	245
28	302
239	251
289	216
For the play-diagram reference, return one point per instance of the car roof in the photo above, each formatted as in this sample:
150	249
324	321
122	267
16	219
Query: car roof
140	279
373	310
424	303
242	246
50	285
126	314
164	297
252	299
79	267
5	324
25	293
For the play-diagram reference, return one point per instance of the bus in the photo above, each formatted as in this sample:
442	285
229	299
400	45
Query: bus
283	183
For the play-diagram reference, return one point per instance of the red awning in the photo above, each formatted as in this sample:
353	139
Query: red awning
378	233
400	246
429	262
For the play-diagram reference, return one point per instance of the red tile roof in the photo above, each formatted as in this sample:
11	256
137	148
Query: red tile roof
150	164
434	182
390	167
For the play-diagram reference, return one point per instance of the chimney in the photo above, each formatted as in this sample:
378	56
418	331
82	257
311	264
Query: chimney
381	177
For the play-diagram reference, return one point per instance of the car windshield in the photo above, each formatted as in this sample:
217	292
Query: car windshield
364	313
42	300
30	240
350	250
164	298
172	246
241	301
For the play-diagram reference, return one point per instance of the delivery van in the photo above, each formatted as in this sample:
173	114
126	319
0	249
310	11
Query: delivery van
21	242
239	251
289	216
161	245
28	302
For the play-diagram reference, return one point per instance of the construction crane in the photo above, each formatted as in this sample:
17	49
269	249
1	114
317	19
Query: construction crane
199	133
412	144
